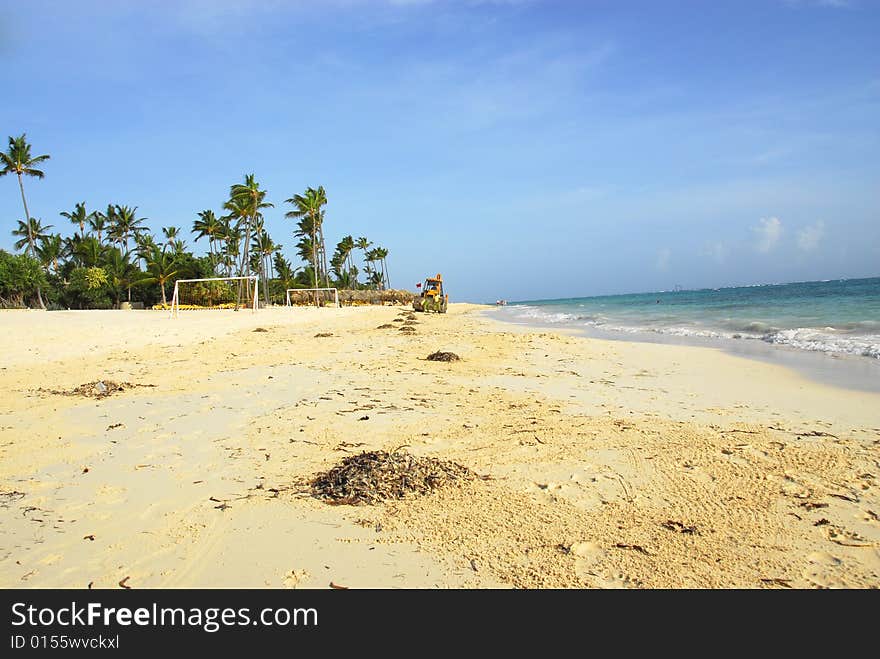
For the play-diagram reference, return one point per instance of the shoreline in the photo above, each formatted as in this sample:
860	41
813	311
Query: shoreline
844	371
720	469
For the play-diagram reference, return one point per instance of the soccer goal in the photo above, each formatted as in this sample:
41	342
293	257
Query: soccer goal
215	293
305	296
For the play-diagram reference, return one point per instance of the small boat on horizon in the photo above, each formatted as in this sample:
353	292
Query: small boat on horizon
500	303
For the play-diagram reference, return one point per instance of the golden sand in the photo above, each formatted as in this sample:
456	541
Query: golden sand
605	464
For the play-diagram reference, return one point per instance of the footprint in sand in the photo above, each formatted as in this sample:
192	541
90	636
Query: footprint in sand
789	487
825	570
293	578
588	554
613	581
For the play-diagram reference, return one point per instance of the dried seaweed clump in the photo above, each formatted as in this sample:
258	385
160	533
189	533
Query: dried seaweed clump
98	389
376	476
323	335
443	357
407	329
386	326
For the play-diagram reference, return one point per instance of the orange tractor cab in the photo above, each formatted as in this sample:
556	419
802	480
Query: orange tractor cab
432	297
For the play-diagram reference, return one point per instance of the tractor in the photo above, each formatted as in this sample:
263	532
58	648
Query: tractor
432	297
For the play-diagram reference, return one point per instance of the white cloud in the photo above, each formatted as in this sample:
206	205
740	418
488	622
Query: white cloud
717	251
663	257
769	230
809	237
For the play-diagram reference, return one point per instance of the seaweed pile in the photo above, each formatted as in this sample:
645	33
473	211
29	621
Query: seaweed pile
443	357
376	476
97	389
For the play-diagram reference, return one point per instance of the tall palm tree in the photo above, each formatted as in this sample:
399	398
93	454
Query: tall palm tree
363	244
342	261
246	200
375	277
231	237
161	268
308	206
265	247
110	217
125	225
18	160
208	226
97	223
79	217
381	254
171	234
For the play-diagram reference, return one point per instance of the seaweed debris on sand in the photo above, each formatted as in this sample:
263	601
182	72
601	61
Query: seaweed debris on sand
443	357
97	389
376	476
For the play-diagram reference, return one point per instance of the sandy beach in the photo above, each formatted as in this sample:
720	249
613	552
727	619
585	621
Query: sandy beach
604	464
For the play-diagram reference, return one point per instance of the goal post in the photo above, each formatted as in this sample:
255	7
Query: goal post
312	290
215	293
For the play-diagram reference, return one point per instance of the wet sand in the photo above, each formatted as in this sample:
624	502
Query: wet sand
608	464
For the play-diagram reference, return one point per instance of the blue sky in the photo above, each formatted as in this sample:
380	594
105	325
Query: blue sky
524	149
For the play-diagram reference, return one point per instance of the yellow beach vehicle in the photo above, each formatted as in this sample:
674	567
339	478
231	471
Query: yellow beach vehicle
432	297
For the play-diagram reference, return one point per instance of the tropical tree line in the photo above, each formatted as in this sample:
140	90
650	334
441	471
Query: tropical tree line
110	255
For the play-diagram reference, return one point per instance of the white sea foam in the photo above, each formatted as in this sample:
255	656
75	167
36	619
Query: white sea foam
827	339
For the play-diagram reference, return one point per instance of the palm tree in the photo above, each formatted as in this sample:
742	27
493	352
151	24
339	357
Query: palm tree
50	251
171	234
97	223
88	252
110	217
265	247
18	159
341	260
125	225
30	233
308	207
120	271
285	273
208	226
79	217
246	200
381	254
231	236
161	267
363	244
375	277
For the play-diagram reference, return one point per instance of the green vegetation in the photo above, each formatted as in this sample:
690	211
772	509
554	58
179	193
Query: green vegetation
112	256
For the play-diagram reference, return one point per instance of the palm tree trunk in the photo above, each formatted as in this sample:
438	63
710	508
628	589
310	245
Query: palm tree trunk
324	258
387	278
27	219
315	257
244	254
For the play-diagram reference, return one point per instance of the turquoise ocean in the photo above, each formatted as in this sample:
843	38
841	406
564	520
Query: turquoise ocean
839	317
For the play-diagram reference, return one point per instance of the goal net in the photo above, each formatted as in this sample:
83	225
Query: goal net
306	296
215	293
